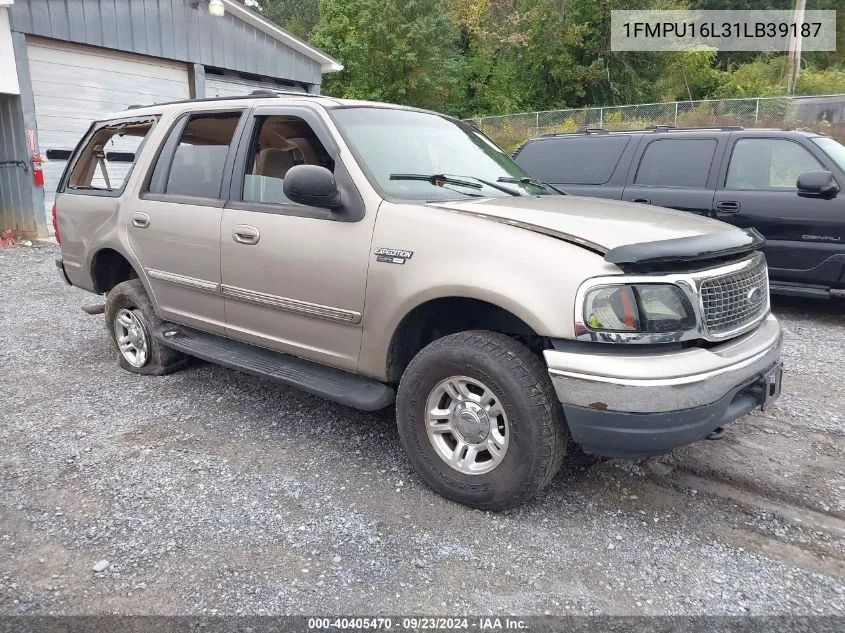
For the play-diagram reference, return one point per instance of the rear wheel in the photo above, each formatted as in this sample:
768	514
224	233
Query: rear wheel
479	420
130	319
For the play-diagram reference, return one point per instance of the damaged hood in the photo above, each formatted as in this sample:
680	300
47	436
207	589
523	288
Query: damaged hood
595	223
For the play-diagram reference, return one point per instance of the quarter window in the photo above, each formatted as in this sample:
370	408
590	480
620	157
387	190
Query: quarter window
582	160
279	143
768	163
676	163
108	156
196	167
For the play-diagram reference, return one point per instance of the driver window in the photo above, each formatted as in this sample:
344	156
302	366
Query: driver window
765	163
280	143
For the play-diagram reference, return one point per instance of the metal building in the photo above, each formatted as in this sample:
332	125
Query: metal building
64	63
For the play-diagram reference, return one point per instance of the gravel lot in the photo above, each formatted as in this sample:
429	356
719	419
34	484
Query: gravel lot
211	492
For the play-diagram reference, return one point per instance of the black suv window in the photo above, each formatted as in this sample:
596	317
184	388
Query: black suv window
768	163
194	166
576	160
676	162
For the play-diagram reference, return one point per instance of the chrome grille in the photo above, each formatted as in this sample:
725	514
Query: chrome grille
733	301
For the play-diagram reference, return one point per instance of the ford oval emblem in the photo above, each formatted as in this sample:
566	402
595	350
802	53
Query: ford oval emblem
754	296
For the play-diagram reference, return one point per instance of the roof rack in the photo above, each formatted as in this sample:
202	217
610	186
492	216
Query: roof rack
674	128
656	129
271	92
255	94
583	130
593	130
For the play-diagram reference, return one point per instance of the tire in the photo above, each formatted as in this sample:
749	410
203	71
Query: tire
128	301
524	415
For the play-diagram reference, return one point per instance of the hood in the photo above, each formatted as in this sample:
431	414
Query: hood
595	223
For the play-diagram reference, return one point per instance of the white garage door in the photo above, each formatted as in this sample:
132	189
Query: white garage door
230	86
74	85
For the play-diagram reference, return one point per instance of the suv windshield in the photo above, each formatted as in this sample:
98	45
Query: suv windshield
832	148
430	157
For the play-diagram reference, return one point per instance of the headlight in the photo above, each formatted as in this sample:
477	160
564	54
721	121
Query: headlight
638	308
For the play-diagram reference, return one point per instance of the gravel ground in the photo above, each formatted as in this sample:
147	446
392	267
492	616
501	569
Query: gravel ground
212	492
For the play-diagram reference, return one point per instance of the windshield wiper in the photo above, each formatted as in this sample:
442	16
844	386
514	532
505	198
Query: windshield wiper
438	180
531	181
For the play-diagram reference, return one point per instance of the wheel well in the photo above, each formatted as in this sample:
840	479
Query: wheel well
109	268
440	317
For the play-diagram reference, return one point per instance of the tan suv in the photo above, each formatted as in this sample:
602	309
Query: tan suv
369	253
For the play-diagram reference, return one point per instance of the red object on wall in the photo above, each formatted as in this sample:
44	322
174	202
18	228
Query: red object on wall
37	172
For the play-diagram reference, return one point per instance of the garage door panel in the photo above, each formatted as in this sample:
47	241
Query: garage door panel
103	99
74	85
109	88
59	75
89	59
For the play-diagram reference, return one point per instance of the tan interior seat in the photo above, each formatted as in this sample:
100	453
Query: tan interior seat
307	150
274	162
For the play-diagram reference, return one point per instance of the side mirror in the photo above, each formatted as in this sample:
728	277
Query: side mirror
817	184
312	185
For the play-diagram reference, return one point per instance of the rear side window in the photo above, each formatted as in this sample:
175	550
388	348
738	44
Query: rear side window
676	163
768	163
193	165
578	160
108	156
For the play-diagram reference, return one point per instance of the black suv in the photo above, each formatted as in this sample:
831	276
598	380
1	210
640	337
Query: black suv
783	183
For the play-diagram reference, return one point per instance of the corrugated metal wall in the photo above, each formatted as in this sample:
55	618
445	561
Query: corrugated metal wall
15	183
165	28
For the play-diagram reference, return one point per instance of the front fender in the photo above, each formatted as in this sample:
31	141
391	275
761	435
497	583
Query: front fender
531	275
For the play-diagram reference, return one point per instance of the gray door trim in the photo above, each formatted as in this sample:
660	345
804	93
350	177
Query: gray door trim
292	305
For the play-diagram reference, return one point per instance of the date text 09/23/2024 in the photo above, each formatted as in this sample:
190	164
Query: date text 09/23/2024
418	623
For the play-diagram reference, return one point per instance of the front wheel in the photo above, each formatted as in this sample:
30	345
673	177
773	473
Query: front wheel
479	420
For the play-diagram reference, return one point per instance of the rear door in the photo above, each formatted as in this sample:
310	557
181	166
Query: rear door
174	225
677	172
757	188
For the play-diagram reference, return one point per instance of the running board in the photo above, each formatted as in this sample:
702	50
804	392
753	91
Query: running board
321	380
797	290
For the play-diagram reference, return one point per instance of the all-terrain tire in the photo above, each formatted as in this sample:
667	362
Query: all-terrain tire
538	433
131	296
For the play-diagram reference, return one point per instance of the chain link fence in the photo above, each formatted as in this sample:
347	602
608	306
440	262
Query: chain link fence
821	113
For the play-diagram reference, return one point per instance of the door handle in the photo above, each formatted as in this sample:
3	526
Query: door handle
246	234
641	200
728	206
140	220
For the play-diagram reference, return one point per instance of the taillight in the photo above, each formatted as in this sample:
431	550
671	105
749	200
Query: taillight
55	224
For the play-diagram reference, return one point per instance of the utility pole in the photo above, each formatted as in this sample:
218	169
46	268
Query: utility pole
795	47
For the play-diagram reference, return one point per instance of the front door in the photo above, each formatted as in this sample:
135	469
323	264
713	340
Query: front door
174	225
805	237
293	276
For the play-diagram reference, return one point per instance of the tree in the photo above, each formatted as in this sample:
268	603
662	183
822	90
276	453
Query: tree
297	16
402	51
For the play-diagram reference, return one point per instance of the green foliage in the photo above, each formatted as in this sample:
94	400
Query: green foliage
297	16
401	51
689	75
481	57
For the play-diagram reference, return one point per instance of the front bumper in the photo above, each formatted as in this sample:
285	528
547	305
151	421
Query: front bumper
635	402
